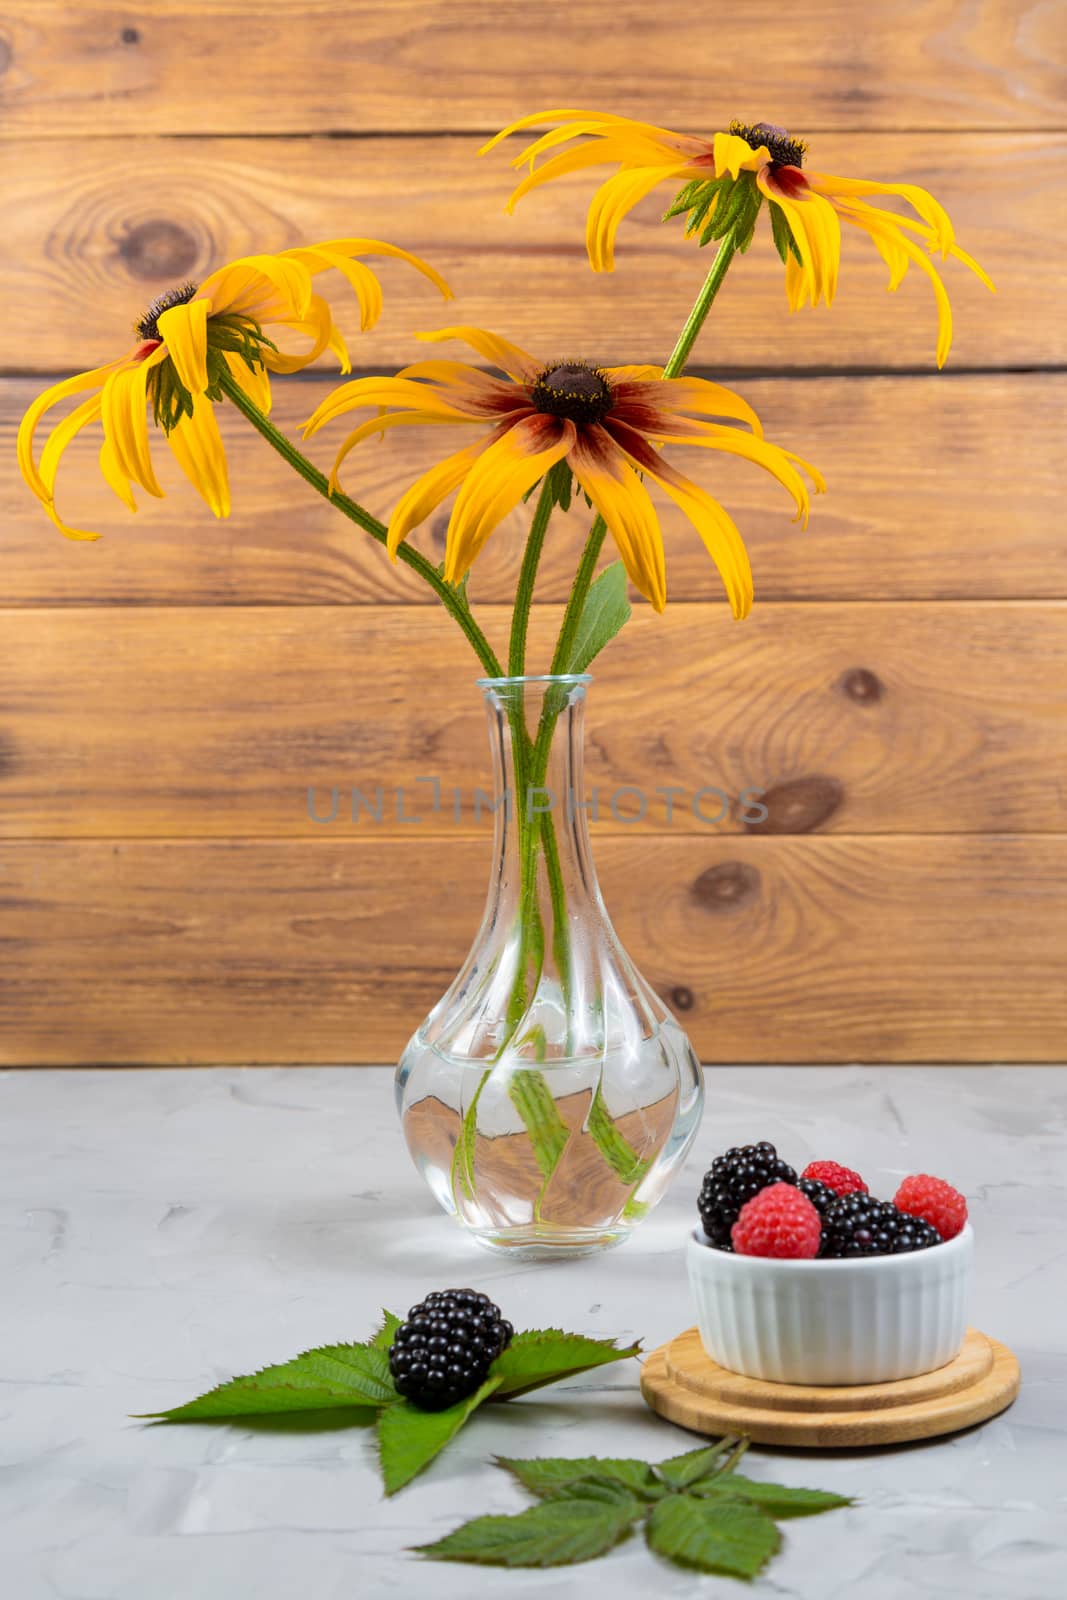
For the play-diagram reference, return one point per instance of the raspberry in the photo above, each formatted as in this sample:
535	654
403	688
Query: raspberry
859	1225
444	1350
734	1178
779	1221
935	1201
842	1180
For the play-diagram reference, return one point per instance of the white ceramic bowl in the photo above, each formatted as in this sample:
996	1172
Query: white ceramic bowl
828	1322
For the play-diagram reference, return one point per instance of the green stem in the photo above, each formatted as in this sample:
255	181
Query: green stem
701	306
520	618
455	606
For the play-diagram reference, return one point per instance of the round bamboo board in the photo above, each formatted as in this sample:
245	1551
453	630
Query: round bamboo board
683	1384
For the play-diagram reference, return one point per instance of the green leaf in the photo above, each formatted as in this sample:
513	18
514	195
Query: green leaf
543	1355
681	1471
606	610
784	242
601	1486
317	1380
616	1149
408	1439
776	1499
712	1535
546	1475
556	1533
387	1332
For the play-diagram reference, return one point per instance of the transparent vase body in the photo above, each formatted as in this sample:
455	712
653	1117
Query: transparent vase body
550	1095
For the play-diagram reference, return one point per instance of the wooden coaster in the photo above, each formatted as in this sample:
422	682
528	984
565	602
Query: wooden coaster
683	1384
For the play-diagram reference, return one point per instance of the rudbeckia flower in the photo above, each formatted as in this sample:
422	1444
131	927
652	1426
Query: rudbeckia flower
186	340
604	422
726	179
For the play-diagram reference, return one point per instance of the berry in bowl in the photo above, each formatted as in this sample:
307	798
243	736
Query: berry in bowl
812	1280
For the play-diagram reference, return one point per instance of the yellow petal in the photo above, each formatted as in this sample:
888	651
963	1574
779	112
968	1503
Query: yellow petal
932	213
622	500
114	476
61	436
378	425
402	392
595	154
497	482
123	412
640	373
612	202
264	287
814	224
375	247
699	395
734	155
897	249
427	492
518	364
93	379
721	539
255	383
768	456
57	441
609	120
183	330
317	326
197	446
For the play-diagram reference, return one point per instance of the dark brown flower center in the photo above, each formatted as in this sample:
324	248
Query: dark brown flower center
148	325
785	151
574	390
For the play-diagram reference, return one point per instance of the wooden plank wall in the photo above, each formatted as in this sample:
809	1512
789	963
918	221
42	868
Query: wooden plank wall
168	695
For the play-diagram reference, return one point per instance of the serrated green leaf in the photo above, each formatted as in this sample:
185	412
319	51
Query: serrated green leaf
606	610
601	1486
556	1533
704	1462
544	1355
776	1499
546	1475
408	1439
718	1535
386	1333
318	1380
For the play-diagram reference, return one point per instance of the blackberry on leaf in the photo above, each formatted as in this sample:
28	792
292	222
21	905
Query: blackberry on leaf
444	1350
858	1225
734	1178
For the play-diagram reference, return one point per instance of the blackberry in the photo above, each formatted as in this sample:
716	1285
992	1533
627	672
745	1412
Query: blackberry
859	1225
820	1194
734	1178
444	1350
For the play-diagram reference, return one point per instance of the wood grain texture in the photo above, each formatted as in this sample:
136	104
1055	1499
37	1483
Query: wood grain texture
72	65
95	228
858	718
924	502
684	1385
815	949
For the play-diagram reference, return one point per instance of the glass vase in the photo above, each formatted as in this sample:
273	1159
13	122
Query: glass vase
550	1095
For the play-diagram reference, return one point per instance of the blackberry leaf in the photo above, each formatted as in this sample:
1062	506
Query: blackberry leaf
724	1536
335	1375
776	1499
547	1475
408	1439
384	1337
544	1355
555	1533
